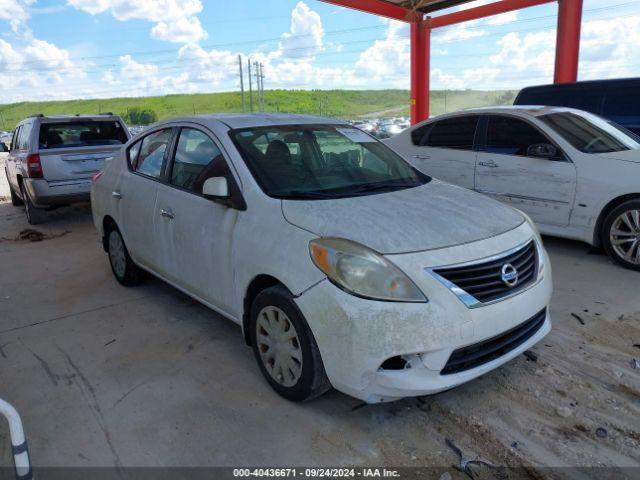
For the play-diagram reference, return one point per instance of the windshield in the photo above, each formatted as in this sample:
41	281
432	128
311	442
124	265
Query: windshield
322	161
590	133
83	133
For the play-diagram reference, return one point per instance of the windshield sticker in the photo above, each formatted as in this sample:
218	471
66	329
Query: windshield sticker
355	135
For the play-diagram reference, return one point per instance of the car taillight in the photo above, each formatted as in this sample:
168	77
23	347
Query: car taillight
34	167
96	177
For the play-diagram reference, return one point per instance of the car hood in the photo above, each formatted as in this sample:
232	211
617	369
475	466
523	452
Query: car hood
428	217
625	156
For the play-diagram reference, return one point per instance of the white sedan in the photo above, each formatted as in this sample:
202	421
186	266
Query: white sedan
574	173
344	265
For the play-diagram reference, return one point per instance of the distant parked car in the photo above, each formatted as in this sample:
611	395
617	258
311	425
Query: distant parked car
616	100
576	174
344	265
52	159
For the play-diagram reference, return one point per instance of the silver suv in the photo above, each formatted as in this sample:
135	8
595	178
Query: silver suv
52	159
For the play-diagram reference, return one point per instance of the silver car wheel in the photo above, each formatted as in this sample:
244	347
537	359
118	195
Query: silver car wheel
279	346
625	236
117	255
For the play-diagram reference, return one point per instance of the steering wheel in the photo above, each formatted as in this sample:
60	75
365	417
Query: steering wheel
592	143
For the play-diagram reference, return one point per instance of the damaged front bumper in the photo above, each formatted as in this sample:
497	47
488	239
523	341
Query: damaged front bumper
381	351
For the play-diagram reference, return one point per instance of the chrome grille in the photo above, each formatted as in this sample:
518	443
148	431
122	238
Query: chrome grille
485	281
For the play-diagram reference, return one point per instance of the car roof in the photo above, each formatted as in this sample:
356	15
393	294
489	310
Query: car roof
532	110
247	120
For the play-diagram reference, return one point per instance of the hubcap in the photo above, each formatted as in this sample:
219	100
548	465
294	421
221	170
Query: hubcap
116	254
625	236
279	346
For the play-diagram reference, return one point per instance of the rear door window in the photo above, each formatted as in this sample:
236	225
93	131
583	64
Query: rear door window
511	136
456	133
152	150
82	133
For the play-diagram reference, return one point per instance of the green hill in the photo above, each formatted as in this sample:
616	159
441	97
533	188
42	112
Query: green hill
337	103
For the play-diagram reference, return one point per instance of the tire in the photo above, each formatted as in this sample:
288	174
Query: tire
16	201
302	377
126	272
621	234
35	215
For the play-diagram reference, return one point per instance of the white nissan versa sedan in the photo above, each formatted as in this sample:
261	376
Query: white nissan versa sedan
345	266
576	174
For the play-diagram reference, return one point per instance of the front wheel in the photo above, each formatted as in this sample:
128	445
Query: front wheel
126	272
621	234
284	347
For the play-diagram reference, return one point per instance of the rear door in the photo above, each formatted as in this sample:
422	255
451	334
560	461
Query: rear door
78	149
445	150
137	195
194	233
543	188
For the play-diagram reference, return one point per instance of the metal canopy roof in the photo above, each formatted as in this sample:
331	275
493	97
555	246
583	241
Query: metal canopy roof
427	6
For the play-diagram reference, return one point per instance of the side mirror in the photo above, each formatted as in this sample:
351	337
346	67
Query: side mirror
216	188
542	150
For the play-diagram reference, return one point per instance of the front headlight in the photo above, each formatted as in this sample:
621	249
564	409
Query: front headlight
363	272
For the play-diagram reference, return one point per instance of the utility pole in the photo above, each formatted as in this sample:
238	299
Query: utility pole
250	88
256	65
262	85
241	83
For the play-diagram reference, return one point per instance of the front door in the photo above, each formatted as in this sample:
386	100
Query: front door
194	233
544	188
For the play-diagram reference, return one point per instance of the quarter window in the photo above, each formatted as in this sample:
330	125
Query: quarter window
23	140
197	159
14	140
511	136
134	150
152	152
456	133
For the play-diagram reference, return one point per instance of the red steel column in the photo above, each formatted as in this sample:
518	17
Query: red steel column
420	70
568	41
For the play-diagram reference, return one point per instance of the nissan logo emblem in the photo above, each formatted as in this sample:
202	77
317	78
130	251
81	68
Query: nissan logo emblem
509	275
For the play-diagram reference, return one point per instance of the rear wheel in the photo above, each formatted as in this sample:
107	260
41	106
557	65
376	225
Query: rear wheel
126	272
284	347
621	234
34	215
15	199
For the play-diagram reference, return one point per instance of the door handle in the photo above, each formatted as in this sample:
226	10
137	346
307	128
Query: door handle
422	157
117	195
490	164
167	214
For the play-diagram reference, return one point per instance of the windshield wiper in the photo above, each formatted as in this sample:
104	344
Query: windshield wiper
390	185
302	194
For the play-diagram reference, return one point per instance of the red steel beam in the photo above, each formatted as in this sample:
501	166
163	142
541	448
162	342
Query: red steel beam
381	8
568	41
420	70
483	11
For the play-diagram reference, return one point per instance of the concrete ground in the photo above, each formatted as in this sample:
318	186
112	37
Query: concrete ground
108	376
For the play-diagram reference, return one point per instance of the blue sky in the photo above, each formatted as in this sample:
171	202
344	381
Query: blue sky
52	49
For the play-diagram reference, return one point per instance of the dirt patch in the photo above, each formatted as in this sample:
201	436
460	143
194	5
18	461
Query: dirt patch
33	235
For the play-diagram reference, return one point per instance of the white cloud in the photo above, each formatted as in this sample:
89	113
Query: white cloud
388	59
176	20
15	12
304	39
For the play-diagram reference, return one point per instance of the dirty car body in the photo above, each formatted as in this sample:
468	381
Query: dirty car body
330	251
